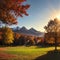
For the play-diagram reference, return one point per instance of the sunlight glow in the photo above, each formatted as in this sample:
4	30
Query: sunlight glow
58	16
55	14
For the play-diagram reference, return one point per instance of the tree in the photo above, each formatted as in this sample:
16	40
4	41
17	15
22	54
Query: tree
11	9
52	29
30	40
8	35
16	38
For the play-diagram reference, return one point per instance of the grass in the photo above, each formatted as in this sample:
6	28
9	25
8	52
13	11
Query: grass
23	53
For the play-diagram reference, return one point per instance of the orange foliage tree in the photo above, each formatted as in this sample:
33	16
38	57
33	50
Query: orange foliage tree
11	9
53	31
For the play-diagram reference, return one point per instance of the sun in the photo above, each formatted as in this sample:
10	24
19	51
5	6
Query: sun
58	17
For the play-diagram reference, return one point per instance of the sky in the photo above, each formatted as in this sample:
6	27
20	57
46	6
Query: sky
40	12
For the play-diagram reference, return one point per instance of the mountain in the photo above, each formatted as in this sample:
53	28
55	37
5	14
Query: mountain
16	28
31	31
23	30
35	32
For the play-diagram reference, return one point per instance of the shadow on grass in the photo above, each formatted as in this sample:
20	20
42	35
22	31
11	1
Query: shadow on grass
51	55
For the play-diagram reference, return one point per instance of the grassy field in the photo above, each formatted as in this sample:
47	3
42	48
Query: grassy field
22	52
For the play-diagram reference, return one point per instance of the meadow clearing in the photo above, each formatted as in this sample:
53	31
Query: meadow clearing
23	53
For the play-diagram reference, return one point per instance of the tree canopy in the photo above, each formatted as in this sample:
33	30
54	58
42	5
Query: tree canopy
53	30
11	9
8	35
53	26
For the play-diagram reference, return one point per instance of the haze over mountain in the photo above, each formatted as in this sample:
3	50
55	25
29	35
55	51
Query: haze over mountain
30	31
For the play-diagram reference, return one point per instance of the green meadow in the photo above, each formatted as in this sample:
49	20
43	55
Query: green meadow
23	53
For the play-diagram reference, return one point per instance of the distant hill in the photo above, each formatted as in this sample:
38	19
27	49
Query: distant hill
31	31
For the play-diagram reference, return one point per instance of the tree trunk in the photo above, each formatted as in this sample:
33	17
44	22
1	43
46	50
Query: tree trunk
55	44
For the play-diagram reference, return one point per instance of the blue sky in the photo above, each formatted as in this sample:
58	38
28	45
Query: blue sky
40	12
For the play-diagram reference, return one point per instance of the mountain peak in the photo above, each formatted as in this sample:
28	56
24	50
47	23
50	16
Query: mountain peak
32	29
23	28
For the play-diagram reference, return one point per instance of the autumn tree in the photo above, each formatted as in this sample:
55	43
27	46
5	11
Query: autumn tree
11	9
30	40
8	36
52	29
16	38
